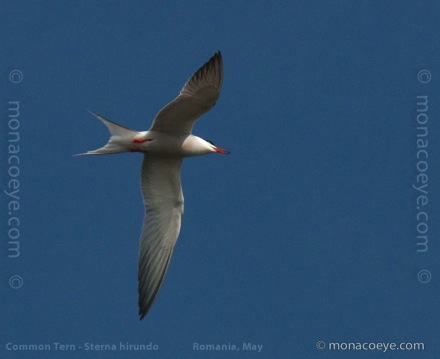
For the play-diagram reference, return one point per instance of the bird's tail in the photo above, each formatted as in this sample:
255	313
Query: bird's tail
120	140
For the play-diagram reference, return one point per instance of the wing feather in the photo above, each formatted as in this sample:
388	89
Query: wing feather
163	200
198	96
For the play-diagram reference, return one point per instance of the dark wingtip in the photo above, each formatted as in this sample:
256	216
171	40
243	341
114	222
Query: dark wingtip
216	57
142	313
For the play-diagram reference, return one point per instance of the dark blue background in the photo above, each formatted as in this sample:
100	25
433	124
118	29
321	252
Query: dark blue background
305	233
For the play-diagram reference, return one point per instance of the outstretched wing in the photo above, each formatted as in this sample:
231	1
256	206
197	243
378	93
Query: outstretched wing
163	199
198	95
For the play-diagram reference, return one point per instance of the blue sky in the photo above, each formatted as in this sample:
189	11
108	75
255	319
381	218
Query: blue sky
307	232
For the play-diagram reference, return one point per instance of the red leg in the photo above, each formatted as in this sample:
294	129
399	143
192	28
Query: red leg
137	140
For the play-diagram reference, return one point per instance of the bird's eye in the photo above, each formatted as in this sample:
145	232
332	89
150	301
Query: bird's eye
212	143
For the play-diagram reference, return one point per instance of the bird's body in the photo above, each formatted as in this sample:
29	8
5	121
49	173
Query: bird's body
164	145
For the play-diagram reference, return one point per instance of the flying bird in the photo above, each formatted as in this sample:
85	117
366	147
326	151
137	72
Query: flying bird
164	146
